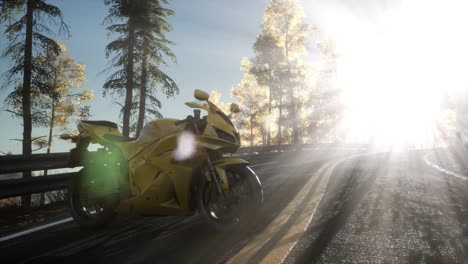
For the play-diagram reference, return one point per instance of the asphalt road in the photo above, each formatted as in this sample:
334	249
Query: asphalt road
389	208
319	207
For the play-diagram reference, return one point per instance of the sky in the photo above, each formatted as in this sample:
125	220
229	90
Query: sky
398	61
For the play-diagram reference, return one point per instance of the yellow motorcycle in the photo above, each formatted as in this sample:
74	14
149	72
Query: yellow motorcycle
175	167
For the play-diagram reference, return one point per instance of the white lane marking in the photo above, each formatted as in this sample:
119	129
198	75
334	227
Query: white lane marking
249	250
441	169
35	229
261	164
303	222
287	242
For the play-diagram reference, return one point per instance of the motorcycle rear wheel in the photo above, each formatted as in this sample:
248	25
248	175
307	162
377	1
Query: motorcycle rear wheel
237	206
95	212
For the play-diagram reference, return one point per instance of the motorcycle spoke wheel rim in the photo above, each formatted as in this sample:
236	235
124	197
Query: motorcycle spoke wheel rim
237	197
88	207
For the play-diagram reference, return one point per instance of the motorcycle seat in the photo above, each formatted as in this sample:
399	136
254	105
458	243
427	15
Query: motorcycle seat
116	138
101	123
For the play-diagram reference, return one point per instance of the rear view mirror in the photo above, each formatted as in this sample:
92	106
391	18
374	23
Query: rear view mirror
65	136
201	95
234	108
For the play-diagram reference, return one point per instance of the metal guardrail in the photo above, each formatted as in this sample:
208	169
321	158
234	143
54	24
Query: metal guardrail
18	187
261	149
17	164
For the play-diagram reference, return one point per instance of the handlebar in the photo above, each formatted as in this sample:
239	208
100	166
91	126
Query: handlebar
189	118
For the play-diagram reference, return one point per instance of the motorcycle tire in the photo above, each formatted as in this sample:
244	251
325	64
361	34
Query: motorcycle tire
249	201
103	212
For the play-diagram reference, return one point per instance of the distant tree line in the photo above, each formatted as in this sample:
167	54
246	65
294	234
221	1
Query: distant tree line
284	100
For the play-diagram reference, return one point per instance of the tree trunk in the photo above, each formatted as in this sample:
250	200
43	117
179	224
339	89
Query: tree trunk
300	123
129	84
280	118
269	109
143	88
293	118
49	146
26	94
263	132
251	130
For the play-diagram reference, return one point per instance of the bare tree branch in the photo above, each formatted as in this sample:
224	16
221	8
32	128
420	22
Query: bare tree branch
13	112
36	138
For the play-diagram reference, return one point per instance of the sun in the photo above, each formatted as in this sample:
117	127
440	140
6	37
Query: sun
396	65
391	118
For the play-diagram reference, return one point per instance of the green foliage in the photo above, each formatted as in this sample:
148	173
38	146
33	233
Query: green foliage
44	15
267	60
252	99
136	55
151	30
57	101
283	99
277	63
28	36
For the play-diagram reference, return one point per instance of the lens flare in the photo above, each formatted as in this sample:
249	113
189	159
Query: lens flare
186	146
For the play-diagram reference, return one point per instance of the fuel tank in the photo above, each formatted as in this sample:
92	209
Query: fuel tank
157	129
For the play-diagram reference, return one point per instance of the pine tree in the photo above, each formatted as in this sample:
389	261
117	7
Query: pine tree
28	36
282	22
60	76
138	52
154	49
253	102
62	103
121	22
265	65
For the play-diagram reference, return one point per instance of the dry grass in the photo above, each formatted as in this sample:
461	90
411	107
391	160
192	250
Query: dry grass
10	203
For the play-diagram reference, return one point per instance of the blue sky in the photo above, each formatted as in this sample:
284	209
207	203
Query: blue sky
211	38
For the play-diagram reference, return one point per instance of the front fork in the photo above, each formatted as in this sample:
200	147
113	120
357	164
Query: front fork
211	168
213	175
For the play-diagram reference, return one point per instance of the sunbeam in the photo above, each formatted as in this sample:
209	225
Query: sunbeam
396	64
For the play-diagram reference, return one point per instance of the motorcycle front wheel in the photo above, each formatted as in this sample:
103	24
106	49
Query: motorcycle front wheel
236	206
88	209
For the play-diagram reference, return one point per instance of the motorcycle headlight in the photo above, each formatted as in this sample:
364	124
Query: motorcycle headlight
225	136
